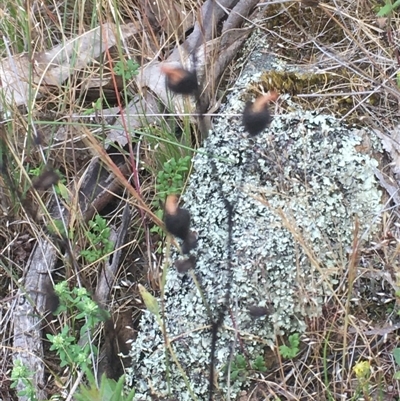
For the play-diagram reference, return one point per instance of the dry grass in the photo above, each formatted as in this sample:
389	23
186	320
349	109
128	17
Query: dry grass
350	60
356	55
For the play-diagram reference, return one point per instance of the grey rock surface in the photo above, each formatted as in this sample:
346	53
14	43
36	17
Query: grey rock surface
296	190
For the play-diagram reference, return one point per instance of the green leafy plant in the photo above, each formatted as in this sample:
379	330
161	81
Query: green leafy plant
86	314
96	106
259	364
126	68
55	227
35	172
291	350
99	238
362	371
240	370
70	353
109	390
388	8
78	300
171	179
22	377
78	304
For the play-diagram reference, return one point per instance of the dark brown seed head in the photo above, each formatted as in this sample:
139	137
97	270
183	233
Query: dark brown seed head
38	138
258	311
184	265
45	180
52	299
180	81
176	219
189	243
256	116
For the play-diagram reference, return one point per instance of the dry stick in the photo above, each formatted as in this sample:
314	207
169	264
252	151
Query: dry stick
201	292
162	281
212	14
218	323
204	33
352	272
116	171
237	334
162	323
208	15
135	171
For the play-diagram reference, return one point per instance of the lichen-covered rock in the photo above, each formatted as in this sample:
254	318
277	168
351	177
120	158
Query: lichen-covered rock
297	190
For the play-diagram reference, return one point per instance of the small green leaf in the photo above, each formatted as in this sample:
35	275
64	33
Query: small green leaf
259	364
150	302
240	362
385	10
234	375
63	191
396	4
396	354
388	8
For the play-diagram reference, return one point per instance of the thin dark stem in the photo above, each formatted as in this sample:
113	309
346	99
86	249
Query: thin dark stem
221	313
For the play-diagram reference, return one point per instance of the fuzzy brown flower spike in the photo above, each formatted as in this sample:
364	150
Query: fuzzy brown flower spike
177	222
180	81
256	116
48	178
176	219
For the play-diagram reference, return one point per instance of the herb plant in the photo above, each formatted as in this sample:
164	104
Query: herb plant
240	370
78	304
259	364
109	390
99	238
126	68
291	350
172	178
21	376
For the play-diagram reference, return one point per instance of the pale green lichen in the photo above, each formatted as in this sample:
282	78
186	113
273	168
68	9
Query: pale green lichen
305	165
